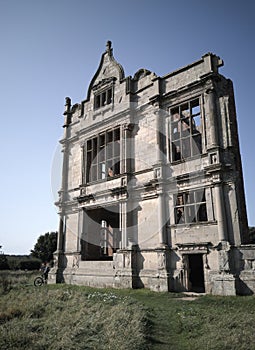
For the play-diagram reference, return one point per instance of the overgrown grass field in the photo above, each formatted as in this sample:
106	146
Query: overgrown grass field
70	317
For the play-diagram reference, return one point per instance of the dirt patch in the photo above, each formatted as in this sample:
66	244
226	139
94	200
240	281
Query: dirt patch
190	296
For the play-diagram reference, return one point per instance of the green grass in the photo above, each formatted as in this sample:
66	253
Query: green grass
71	317
67	317
208	322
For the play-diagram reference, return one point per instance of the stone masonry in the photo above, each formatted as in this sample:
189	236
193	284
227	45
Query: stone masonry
152	190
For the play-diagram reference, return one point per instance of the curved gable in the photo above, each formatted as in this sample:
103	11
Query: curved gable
109	69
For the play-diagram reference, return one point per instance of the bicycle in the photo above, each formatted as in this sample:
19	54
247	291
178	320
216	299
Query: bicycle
39	281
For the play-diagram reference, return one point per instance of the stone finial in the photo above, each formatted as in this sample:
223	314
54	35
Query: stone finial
68	104
108	46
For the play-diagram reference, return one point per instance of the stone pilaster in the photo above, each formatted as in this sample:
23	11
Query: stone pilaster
123	224
212	138
220	212
127	205
162	218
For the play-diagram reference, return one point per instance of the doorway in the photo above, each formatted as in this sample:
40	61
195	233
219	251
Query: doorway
196	273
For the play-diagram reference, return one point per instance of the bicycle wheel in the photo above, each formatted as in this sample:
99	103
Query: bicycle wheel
38	281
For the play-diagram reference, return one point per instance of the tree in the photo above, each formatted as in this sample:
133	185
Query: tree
45	247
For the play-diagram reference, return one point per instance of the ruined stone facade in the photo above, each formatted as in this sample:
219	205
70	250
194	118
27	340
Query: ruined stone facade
152	189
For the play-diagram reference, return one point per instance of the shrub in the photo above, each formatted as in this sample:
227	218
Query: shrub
30	264
16	262
3	262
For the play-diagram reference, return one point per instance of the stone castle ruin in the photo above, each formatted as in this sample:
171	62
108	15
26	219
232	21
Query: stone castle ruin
152	189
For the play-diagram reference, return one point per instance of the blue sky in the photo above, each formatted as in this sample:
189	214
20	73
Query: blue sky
51	49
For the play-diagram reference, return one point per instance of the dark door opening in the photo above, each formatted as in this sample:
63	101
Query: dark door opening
196	273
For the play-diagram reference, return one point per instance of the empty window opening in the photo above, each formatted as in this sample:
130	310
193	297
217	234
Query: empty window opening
102	237
103	98
190	207
103	156
186	131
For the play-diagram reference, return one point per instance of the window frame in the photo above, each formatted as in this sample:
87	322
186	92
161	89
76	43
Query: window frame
190	207
103	156
185	141
103	97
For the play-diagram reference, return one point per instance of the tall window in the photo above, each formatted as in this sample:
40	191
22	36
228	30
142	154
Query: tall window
103	156
190	207
186	130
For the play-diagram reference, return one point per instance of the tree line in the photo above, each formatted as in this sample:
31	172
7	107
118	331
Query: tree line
43	251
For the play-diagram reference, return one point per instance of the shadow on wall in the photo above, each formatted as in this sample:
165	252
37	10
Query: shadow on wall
61	265
245	260
137	266
242	288
177	278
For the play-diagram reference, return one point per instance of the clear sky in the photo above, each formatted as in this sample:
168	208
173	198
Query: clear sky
51	49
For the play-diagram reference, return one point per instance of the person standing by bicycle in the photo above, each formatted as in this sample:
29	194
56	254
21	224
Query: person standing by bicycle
45	269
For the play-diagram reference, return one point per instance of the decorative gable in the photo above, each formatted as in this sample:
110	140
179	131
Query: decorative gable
108	72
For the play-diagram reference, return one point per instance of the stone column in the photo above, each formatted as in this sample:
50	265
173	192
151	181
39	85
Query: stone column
127	206
80	229
60	242
128	148
159	134
83	177
123	224
84	235
58	261
220	212
64	180
212	118
160	177
162	218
